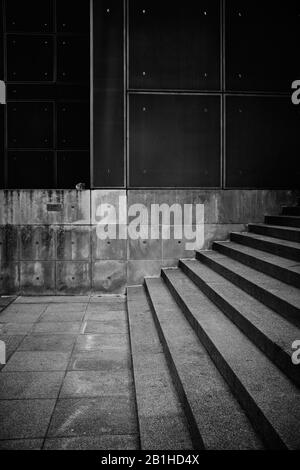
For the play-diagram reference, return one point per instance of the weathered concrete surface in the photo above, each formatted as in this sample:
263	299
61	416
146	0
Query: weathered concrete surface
46	234
62	388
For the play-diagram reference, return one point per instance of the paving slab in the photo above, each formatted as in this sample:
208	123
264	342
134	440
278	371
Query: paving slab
105	442
61	317
37	361
57	327
105	360
92	342
21	444
96	384
105	327
21	385
93	417
50	342
21	419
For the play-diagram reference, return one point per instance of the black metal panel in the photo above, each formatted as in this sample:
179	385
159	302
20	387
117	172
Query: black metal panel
30	125
174	140
29	58
73	58
73	168
29	15
262	43
175	45
262	142
73	18
108	100
27	170
73	130
48	91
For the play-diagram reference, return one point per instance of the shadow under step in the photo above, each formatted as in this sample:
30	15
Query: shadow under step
284	233
210	406
271	401
283	299
265	328
283	220
283	248
162	422
275	266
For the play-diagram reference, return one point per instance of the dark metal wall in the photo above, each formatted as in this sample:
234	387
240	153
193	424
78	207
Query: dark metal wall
207	86
46	66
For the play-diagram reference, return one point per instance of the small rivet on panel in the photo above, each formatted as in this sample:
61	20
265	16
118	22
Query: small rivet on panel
144	11
46	42
240	75
144	74
13	23
239	13
64	25
45	24
205	75
46	140
205	13
108	171
144	109
107	10
46	73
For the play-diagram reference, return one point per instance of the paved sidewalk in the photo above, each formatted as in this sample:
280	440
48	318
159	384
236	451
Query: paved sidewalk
67	383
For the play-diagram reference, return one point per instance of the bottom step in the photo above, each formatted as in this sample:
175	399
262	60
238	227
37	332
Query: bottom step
162	421
210	406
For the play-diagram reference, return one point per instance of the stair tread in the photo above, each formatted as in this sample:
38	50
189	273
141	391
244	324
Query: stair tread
277	227
162	421
275	395
283	291
265	238
264	256
270	323
221	421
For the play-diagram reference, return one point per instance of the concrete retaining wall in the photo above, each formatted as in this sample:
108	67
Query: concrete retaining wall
49	244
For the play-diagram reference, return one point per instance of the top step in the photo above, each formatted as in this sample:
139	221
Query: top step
292	210
283	220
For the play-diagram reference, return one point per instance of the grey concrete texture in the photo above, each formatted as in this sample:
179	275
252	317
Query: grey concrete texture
45	251
162	422
217	415
268	330
61	388
263	389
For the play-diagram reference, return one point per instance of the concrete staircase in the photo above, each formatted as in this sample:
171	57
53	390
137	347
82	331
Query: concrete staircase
212	344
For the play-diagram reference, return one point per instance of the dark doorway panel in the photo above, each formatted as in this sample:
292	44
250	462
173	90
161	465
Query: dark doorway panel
262	142
174	140
261	42
46	68
175	45
108	97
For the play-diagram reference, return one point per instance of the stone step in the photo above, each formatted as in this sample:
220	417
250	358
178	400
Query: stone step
265	328
283	248
162	422
283	220
271	401
292	210
217	415
275	266
284	233
283	299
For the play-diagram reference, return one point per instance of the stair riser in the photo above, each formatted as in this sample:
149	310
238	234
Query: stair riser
194	430
254	413
278	250
286	310
288	235
274	353
277	272
291	211
284	222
